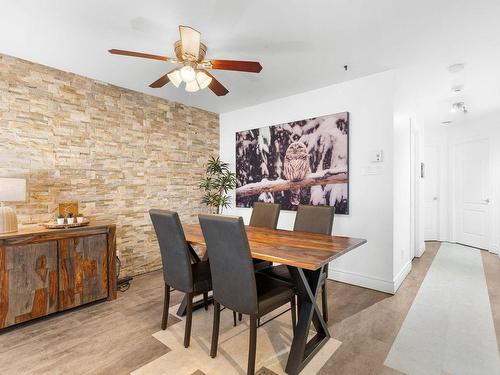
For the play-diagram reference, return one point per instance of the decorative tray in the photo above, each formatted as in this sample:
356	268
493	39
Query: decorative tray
54	225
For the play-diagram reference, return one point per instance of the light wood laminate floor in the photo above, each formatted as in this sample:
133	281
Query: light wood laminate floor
116	337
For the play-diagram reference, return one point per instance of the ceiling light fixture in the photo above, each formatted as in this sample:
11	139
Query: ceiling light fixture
458	107
188	74
446	123
195	79
455	68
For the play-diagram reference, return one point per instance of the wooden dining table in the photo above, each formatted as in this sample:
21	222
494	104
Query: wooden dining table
307	256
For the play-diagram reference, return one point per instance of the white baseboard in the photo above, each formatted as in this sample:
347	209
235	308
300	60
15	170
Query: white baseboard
354	278
398	280
495	249
421	251
370	282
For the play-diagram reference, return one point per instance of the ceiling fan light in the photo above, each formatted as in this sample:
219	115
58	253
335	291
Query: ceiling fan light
192	86
188	74
175	77
203	79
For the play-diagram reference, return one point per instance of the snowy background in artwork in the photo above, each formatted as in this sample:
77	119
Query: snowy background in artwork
260	157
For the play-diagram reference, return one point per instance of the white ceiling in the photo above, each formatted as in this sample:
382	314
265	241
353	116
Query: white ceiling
301	45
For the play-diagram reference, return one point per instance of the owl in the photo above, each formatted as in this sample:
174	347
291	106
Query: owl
296	166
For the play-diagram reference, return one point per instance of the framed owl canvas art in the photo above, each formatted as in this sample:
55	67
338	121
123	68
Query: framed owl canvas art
298	162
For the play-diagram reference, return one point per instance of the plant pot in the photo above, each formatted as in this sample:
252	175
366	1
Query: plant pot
60	221
80	219
70	220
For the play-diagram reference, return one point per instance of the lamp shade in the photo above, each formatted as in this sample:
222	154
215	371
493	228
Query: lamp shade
192	86
175	77
12	190
203	79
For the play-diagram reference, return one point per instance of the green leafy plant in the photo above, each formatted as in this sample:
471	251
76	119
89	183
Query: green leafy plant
60	216
70	215
79	215
216	184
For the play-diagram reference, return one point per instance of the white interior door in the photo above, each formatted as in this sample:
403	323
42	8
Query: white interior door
472	208
431	193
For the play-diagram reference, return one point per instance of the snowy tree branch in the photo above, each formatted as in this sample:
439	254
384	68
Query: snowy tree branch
326	177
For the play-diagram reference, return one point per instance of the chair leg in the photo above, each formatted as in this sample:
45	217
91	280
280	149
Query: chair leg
215	330
294	313
252	345
240	316
205	300
234	318
166	305
324	302
189	319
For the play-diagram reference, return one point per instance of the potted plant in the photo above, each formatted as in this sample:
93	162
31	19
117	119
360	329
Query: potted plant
60	219
80	218
70	219
216	184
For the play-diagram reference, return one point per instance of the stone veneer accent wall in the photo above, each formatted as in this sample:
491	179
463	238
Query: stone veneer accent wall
116	151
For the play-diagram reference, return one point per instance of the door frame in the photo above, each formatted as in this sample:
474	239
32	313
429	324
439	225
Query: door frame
454	193
417	245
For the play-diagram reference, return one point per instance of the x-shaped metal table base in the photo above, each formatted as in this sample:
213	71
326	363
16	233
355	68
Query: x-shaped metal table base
308	285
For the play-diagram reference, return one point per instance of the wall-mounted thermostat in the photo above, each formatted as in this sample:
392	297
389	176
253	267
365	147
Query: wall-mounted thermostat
376	156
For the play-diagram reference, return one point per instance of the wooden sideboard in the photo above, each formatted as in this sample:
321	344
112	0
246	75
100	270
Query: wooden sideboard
43	271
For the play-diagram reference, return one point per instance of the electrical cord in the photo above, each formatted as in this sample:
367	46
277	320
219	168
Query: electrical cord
122	284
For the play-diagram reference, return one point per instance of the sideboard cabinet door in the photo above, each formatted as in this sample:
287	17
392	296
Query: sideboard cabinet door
28	282
83	266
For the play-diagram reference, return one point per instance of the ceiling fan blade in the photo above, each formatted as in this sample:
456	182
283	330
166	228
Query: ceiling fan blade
160	82
138	54
190	40
240	66
216	86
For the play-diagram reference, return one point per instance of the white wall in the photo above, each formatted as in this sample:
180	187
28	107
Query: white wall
487	127
402	209
370	103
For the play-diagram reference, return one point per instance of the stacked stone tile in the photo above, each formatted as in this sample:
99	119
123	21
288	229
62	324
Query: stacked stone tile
117	152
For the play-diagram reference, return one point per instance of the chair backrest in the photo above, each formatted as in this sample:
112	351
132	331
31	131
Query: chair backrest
175	258
314	219
265	215
233	277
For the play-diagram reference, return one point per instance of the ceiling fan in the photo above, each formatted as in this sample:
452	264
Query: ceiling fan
190	52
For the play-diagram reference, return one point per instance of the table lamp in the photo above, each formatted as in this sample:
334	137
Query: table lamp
11	190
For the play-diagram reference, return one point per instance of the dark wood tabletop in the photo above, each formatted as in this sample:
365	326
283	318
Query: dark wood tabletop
299	249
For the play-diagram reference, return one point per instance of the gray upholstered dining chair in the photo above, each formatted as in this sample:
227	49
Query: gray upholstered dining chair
235	283
265	215
311	219
179	271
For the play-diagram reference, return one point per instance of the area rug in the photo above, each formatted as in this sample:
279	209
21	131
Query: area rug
273	345
449	328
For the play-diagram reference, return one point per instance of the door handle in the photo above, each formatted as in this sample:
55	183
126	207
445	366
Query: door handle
435	198
487	201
